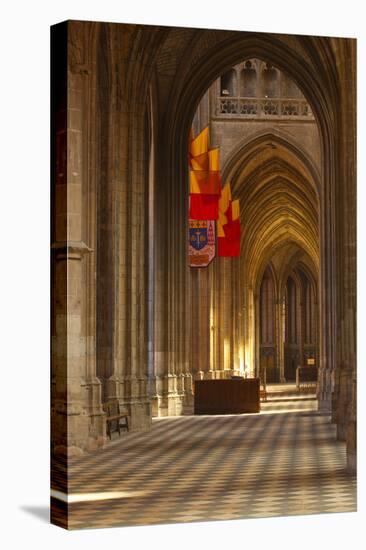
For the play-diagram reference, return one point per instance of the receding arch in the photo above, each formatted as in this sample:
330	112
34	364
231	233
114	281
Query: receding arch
276	137
320	91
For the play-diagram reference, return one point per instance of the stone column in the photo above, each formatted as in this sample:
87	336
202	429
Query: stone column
344	396
215	319
302	320
226	317
161	364
178	287
203	311
279	340
350	236
236	315
253	332
211	320
76	392
351	434
252	358
122	208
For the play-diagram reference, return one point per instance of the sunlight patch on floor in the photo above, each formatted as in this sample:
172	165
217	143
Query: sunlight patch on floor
91	497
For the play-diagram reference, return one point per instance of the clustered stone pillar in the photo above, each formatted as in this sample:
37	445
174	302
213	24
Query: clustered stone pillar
344	397
76	397
279	337
99	330
123	180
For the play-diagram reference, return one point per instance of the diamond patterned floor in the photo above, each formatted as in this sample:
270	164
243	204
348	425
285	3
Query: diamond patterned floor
283	461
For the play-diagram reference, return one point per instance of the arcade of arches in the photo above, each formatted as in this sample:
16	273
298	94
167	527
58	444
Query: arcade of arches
130	320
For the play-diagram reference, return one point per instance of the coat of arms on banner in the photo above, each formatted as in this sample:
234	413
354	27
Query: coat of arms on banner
201	247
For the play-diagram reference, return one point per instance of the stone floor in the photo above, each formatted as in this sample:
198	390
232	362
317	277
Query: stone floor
282	461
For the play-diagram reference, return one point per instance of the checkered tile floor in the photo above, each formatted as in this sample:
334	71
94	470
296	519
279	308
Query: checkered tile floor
283	461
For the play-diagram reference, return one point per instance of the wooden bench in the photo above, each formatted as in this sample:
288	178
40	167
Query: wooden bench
114	416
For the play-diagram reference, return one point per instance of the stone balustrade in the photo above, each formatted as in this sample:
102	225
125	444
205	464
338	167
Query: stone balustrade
262	107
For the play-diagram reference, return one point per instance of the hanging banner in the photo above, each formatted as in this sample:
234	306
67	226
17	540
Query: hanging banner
201	246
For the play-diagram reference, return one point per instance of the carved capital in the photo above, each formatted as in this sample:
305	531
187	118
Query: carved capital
70	250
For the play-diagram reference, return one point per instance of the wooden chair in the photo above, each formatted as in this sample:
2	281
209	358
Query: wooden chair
114	416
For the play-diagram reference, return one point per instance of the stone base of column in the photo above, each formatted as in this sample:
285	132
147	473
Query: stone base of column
172	395
209	375
78	425
344	402
351	448
352	428
92	389
85	433
352	463
139	412
325	390
325	404
171	405
342	430
131	392
335	397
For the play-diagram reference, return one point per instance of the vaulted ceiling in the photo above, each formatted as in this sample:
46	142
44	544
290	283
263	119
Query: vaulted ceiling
278	191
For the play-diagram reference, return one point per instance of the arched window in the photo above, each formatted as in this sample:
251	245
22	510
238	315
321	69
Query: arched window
289	88
267	317
310	321
248	81
270	81
291	312
228	84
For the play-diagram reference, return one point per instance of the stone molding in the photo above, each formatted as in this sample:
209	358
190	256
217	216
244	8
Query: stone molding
70	250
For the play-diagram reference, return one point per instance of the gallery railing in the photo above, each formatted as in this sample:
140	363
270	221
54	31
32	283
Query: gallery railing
258	107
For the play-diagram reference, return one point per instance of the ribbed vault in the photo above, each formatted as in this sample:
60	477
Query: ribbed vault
279	202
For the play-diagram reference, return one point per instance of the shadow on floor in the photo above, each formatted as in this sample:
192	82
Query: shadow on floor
40	512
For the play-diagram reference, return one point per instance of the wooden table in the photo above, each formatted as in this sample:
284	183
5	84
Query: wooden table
226	396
